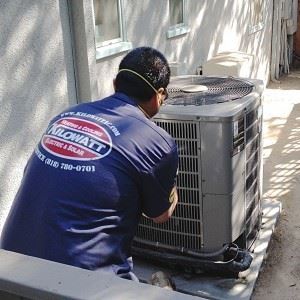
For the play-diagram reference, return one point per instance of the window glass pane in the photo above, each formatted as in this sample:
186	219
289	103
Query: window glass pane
107	23
176	12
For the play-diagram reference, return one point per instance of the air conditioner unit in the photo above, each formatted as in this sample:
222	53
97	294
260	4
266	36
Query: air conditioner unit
217	125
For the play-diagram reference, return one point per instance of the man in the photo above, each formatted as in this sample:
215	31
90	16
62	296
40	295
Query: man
97	168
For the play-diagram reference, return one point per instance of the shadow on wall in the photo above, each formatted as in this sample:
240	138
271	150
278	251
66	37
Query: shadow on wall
210	22
224	27
216	26
36	82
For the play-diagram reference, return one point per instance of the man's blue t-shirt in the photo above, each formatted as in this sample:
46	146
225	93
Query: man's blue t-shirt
98	166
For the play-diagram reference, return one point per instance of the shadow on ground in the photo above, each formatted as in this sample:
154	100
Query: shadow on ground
280	277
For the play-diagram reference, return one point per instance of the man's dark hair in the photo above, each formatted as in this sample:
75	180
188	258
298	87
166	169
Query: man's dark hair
150	64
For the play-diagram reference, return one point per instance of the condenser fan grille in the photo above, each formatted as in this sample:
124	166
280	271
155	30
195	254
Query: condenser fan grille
218	90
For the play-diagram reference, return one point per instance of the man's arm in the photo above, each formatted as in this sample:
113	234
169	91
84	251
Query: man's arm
159	194
173	198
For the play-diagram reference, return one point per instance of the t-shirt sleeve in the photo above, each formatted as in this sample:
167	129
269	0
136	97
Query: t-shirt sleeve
157	185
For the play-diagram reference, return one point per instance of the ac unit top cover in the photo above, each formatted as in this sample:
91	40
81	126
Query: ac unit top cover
208	98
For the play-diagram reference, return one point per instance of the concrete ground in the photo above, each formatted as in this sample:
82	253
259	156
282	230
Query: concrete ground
280	275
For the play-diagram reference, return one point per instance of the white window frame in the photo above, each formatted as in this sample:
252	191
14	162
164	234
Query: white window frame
260	25
114	46
180	28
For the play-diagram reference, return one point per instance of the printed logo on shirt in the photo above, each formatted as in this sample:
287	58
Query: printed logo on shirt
77	139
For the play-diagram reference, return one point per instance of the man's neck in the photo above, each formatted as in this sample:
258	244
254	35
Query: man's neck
144	112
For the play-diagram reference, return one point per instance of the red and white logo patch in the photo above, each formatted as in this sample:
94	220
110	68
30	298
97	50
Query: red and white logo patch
77	139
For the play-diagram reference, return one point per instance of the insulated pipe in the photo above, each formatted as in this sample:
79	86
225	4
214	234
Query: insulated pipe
239	263
182	249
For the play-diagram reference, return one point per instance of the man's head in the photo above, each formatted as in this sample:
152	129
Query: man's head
144	74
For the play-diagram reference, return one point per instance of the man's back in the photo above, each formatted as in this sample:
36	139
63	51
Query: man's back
97	167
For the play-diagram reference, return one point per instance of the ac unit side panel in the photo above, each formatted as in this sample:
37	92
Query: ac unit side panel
238	213
238	171
216	221
223	219
216	149
253	171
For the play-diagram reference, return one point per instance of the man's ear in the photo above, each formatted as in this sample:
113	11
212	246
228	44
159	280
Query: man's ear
161	90
159	94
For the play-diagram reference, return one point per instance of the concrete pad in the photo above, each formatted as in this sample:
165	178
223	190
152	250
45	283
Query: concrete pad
219	287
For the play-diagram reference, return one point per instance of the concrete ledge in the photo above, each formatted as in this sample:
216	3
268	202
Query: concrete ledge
34	278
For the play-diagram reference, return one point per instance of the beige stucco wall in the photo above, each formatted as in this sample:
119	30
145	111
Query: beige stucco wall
36	82
216	26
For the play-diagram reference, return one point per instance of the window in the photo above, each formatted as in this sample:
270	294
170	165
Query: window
256	16
177	12
110	34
